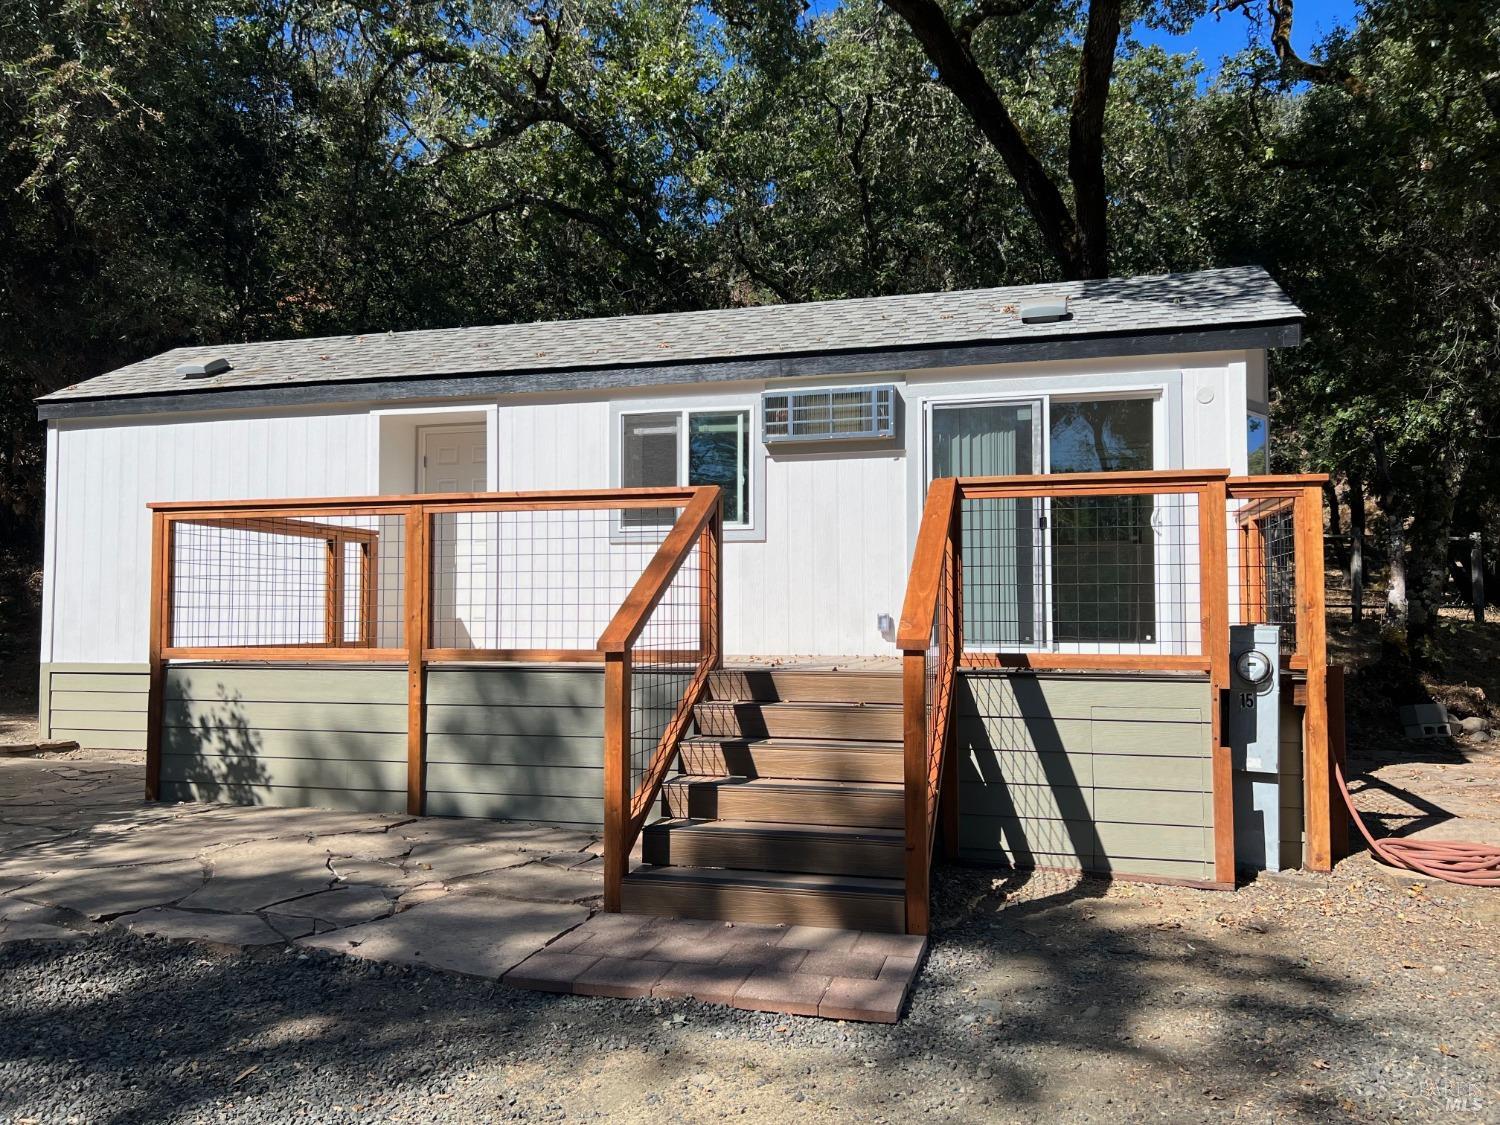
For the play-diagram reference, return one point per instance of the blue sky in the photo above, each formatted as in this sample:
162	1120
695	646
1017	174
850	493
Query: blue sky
1214	37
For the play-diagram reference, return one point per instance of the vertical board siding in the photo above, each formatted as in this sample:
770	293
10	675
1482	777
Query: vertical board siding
1102	773
833	555
106	474
833	520
98	706
516	743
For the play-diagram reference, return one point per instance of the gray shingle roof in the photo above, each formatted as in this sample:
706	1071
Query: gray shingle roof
1224	298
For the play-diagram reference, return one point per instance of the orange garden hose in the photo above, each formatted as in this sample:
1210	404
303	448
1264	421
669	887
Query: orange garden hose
1473	865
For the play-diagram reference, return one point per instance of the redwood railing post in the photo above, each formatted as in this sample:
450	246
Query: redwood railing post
953	610
158	638
914	779
616	774
1312	645
417	594
710	588
1213	595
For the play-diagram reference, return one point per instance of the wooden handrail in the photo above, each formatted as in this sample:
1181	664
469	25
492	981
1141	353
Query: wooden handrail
915	631
630	618
1107	481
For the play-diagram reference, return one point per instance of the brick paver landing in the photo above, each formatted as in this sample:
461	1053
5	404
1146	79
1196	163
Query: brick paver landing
797	970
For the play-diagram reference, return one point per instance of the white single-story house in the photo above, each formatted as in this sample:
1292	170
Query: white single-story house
461	453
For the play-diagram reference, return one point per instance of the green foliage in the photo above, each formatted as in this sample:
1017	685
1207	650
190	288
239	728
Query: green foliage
204	170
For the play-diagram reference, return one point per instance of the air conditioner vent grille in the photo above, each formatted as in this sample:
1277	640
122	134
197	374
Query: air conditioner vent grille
831	414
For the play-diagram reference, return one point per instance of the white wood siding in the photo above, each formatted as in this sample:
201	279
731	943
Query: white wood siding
835	525
104	475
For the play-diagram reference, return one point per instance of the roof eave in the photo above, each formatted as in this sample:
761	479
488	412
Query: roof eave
1278	333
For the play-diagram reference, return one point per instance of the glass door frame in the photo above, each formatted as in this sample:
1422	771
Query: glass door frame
1041	603
1168	634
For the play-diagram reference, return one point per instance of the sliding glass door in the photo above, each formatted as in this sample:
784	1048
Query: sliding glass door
1103	547
1069	574
1002	539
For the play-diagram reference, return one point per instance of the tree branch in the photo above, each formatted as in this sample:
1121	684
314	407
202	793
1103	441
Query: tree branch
1086	133
1293	65
958	70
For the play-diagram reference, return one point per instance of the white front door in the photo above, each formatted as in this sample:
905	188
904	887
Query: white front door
451	459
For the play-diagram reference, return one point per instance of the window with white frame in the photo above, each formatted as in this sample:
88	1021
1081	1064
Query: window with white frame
688	447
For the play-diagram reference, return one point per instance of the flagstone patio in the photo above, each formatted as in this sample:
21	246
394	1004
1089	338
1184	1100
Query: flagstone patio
79	849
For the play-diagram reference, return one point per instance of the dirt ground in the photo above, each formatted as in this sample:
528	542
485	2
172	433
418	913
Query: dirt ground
1366	995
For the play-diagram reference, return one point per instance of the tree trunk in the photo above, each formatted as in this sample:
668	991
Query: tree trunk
958	70
1356	545
1335	522
1393	628
1394	631
1427	571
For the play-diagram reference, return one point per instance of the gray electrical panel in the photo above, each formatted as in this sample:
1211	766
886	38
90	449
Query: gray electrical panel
1253	733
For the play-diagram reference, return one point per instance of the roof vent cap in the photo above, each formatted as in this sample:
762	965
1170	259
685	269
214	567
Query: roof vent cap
1045	312
203	368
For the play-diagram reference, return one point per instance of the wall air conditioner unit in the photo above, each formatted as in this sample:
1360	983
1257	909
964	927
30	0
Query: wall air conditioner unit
832	414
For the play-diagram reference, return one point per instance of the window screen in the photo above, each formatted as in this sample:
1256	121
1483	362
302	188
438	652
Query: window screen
648	459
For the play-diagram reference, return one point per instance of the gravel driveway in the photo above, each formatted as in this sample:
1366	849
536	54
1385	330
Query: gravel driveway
1360	996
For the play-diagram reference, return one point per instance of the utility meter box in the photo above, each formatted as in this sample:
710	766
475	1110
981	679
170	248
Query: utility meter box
1252	730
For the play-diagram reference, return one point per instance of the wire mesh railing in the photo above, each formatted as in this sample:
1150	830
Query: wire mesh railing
239	582
1098	574
498	577
1263	564
536	582
1119	572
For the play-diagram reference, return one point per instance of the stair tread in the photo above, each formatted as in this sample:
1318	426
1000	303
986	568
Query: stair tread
769	742
895	836
853	788
769	880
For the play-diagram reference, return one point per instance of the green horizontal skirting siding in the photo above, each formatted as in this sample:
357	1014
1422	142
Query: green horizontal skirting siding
1107	773
516	743
517	781
100	739
99	706
315	684
352	800
318	745
506	742
211	714
507	686
309	773
128	681
511	749
531	722
299	735
583	812
100	720
67	699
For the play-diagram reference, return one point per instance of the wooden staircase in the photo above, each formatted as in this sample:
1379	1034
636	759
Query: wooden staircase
788	808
